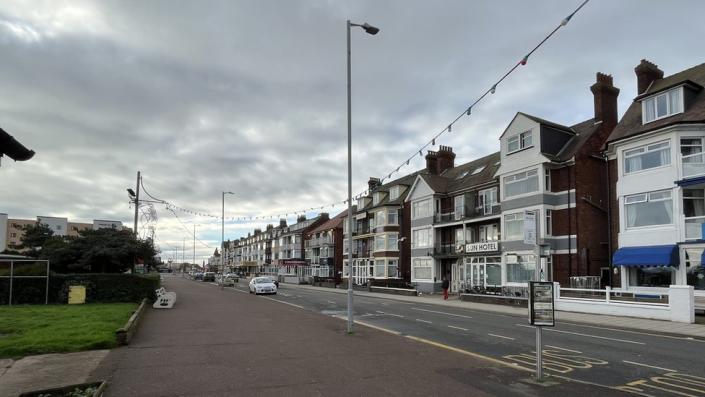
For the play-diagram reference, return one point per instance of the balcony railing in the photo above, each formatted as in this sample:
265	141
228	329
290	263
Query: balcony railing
445	217
445	249
693	227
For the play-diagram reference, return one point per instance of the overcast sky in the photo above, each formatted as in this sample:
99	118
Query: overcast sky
249	96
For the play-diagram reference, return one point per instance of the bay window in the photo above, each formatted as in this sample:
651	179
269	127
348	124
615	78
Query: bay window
514	226
694	211
489	233
422	269
646	157
521	270
392	268
422	238
649	209
379	243
421	209
521	183
693	156
379	268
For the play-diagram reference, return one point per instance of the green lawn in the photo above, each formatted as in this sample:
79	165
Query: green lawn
40	329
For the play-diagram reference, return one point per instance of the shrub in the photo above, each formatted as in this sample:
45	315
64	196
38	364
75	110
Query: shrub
100	288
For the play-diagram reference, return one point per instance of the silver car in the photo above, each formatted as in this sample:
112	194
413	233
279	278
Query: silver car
262	285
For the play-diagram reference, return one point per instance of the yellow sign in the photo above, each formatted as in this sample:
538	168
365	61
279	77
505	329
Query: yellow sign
77	294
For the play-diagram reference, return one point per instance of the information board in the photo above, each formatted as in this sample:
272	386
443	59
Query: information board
541	310
530	227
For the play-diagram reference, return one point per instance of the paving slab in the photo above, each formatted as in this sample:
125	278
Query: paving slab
48	371
227	342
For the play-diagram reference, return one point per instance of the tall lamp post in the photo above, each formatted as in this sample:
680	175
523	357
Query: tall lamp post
373	31
222	238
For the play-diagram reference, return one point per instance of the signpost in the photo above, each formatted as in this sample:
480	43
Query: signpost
540	293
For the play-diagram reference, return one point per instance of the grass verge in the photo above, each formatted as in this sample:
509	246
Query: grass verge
41	329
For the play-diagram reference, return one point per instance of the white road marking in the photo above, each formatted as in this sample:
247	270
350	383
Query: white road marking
331	302
561	348
284	294
423	321
649	366
500	336
589	336
390	314
434	311
286	303
635	332
454	327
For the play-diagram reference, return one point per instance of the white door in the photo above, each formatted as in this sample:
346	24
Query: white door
478	274
456	276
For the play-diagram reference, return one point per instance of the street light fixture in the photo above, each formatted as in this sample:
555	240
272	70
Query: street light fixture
373	31
222	240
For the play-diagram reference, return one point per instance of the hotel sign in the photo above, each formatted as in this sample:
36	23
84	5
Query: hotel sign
487	246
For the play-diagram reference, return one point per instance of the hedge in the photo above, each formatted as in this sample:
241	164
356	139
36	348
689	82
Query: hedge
100	288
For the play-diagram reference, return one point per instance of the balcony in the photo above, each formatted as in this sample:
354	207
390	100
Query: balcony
445	249
445	217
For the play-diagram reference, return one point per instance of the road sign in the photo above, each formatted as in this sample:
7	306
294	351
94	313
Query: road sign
530	227
541	308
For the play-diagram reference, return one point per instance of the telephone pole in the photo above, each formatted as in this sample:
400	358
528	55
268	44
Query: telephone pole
137	201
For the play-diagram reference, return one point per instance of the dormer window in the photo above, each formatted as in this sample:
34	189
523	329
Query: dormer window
520	141
394	192
662	105
360	203
376	198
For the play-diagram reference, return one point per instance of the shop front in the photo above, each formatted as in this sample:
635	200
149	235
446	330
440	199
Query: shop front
480	269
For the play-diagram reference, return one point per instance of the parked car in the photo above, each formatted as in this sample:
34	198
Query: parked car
208	276
230	279
198	276
262	285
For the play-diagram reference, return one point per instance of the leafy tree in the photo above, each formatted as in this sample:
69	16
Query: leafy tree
35	236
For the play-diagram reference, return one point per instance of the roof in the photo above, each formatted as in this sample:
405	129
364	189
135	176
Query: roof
465	176
332	223
583	132
631	123
546	122
406	180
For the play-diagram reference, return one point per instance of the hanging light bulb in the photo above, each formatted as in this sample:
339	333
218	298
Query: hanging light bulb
420	154
493	89
433	142
467	112
524	60
450	127
407	162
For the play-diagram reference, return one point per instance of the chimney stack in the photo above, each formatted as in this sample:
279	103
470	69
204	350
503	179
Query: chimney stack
605	95
646	73
282	222
443	159
373	183
301	218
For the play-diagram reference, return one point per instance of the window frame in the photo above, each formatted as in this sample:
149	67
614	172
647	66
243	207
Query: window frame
653	100
646	198
394	192
644	149
515	178
549	222
417	205
518	216
415	237
520	140
428	264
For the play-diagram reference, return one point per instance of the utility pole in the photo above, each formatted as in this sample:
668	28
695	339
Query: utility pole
137	201
194	244
183	251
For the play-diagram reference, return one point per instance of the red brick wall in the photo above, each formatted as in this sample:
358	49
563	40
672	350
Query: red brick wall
561	180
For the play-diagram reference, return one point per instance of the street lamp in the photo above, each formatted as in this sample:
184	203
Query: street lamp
371	30
222	239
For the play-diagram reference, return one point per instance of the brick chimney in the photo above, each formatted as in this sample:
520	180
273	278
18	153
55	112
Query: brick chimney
605	94
301	218
443	159
432	162
446	158
646	73
282	222
373	183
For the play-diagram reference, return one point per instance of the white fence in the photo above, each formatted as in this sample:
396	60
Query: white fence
671	304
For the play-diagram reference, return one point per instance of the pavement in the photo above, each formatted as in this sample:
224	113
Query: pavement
47	371
227	342
667	327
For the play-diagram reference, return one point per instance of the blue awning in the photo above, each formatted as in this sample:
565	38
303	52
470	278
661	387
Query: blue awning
691	181
654	255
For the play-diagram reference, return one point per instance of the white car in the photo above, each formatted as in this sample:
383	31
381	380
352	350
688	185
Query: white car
262	285
230	279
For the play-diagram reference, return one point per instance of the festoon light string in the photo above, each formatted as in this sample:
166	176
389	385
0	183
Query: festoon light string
467	112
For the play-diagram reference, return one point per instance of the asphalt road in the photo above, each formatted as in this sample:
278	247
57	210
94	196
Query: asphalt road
649	364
